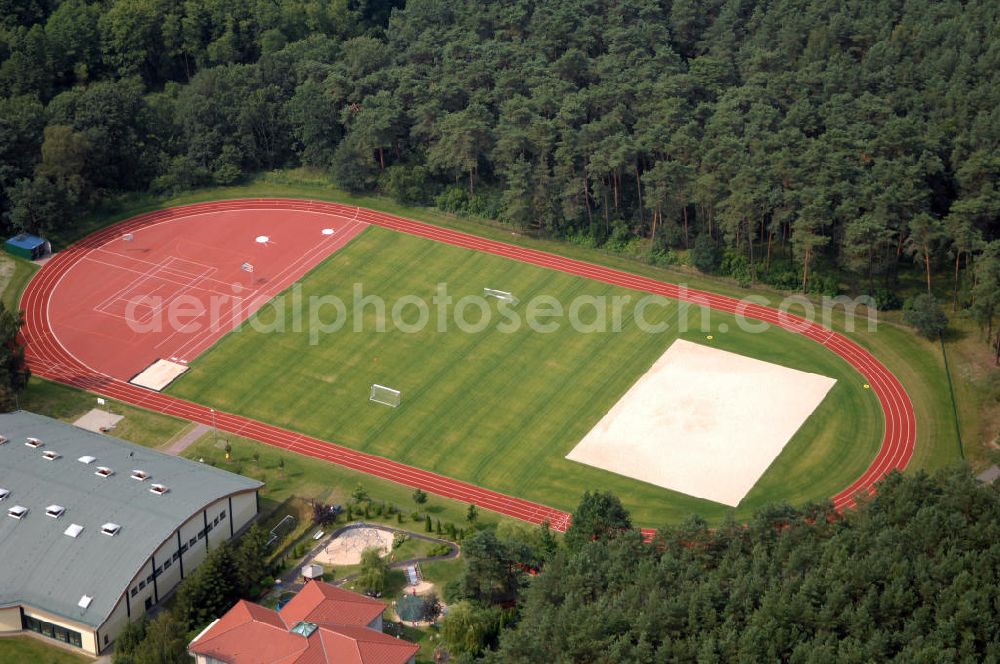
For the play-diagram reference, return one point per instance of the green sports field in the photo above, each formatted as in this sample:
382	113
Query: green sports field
502	409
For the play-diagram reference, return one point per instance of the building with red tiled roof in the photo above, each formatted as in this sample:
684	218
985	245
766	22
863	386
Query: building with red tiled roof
322	604
323	624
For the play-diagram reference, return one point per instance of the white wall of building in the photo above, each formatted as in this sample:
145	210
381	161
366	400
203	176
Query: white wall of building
10	619
157	582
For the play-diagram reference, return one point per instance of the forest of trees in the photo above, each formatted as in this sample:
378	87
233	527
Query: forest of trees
807	145
909	576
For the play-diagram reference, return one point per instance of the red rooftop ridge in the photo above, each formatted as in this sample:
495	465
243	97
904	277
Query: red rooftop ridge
322	624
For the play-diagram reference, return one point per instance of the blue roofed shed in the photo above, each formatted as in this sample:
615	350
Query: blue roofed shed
27	246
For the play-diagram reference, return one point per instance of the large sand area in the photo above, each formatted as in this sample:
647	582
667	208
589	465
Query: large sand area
703	421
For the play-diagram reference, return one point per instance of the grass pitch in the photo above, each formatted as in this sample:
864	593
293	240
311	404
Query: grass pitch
503	409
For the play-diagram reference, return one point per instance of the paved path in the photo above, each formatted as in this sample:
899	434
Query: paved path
178	446
47	357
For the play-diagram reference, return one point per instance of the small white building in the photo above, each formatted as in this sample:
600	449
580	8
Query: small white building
312	571
95	531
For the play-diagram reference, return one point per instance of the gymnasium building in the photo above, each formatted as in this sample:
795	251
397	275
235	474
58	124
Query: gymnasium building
95	531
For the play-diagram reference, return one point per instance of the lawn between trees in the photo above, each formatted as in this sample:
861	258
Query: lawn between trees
502	409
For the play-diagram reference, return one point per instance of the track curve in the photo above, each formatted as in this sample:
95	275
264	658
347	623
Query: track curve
47	358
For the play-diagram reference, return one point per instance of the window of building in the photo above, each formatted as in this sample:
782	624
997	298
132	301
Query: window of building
149	579
216	521
52	631
142	584
173	557
222	514
184	548
192	542
201	535
135	591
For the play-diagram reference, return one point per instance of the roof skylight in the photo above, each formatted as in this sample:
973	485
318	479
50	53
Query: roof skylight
110	529
304	628
85	601
3	439
104	471
50	455
140	475
87	459
17	511
4	493
158	489
74	530
33	442
55	511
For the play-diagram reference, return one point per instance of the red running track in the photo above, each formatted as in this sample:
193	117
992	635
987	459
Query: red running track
49	359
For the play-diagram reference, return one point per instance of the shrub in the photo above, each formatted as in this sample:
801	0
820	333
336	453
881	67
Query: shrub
325	514
885	299
925	314
583	240
664	257
783	279
736	265
406	184
704	254
452	199
824	285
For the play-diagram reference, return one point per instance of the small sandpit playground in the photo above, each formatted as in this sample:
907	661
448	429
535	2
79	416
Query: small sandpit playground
347	547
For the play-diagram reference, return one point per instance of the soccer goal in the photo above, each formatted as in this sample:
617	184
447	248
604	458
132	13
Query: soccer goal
384	395
498	294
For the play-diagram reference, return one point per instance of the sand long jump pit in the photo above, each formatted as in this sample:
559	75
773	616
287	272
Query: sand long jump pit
703	421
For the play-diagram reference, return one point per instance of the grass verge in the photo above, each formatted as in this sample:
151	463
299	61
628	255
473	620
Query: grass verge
68	403
311	479
28	650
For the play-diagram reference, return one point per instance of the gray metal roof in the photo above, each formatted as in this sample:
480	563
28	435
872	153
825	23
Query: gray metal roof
40	565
